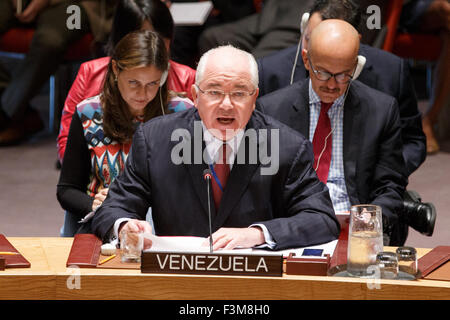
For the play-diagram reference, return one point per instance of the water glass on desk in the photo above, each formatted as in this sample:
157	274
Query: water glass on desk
387	263
365	240
131	245
407	259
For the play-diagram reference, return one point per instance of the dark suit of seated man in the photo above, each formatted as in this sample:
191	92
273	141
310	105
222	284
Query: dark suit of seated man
357	142
272	197
383	71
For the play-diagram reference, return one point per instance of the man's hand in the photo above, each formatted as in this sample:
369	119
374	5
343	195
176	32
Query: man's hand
230	238
134	225
32	10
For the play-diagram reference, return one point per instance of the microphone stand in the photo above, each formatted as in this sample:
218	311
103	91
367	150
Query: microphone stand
210	227
207	176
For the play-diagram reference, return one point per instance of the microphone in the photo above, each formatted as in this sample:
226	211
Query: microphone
207	175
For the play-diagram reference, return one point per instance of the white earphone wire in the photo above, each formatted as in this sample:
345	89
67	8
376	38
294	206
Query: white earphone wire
160	100
334	127
296	60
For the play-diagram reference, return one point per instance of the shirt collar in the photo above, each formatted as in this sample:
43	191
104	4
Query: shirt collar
213	144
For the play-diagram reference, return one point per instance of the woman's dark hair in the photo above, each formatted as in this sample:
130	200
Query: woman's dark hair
131	14
137	49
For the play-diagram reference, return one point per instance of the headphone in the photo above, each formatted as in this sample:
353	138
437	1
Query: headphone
303	23
161	83
164	77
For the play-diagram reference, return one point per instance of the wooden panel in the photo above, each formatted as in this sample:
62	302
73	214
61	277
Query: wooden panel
27	287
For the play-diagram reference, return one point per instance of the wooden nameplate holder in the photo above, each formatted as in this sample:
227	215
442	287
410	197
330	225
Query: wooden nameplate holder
206	263
308	266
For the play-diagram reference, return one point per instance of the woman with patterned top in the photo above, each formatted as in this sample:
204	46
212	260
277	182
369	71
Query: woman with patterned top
135	91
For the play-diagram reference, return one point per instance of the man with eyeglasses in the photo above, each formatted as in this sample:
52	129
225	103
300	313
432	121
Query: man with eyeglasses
382	71
286	208
355	130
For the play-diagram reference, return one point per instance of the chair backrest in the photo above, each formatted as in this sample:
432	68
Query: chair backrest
393	17
409	45
18	40
258	5
418	46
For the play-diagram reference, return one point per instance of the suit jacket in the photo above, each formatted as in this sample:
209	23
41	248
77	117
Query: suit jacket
293	204
373	165
383	71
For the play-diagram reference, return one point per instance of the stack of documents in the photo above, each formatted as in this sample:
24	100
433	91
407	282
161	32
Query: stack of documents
199	244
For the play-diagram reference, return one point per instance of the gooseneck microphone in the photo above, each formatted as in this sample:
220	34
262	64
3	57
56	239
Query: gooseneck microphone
207	175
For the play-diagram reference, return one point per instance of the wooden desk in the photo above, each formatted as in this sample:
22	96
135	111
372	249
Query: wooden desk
48	278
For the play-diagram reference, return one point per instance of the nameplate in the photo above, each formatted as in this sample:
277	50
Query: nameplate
212	263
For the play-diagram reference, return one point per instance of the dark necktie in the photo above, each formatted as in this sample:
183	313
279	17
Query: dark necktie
222	170
322	144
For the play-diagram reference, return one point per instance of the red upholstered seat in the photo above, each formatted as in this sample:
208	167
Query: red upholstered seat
418	46
18	40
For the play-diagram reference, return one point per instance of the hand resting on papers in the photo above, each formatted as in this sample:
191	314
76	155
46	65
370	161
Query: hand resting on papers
224	238
230	238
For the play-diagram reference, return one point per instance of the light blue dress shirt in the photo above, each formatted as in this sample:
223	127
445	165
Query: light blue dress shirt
336	178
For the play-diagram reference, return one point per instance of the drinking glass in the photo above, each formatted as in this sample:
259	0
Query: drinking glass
407	259
365	240
131	245
387	262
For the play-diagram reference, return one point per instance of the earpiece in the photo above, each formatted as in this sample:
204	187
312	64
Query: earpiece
163	78
359	67
161	102
304	22
161	83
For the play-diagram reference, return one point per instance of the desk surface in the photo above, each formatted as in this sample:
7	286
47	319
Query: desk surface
48	278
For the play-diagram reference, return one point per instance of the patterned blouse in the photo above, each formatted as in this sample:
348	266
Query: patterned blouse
94	163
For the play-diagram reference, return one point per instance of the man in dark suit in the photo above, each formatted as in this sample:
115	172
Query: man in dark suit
275	201
382	71
356	135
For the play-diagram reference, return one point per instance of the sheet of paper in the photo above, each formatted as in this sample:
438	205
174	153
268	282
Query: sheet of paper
199	244
190	13
177	244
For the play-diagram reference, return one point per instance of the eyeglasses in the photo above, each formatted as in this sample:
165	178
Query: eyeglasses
217	95
341	77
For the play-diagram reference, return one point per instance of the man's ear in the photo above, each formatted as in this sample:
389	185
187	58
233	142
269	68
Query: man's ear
194	93
256	97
